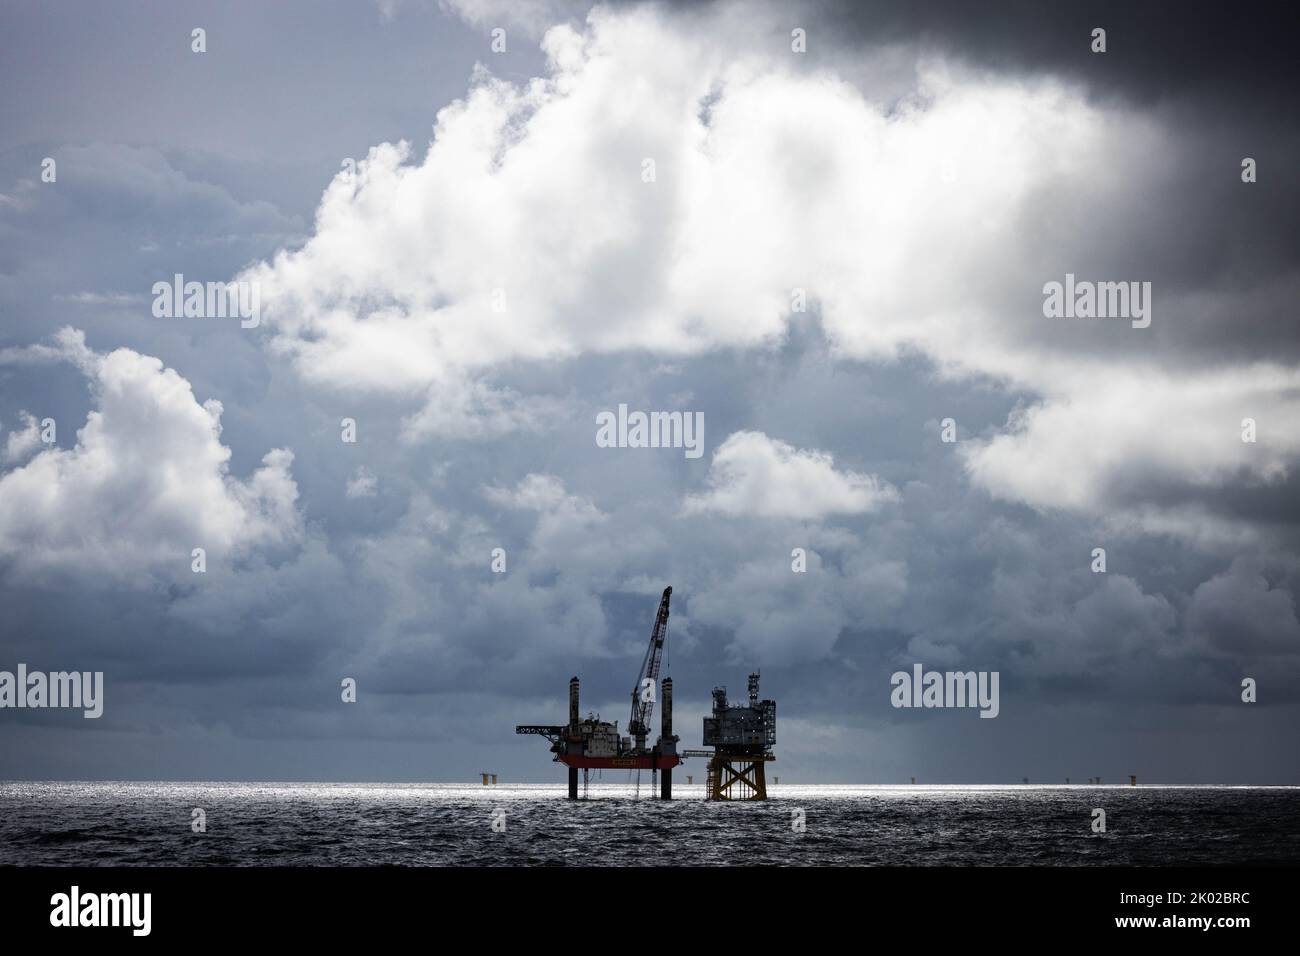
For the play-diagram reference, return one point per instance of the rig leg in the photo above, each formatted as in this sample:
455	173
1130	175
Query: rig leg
666	784
573	783
736	778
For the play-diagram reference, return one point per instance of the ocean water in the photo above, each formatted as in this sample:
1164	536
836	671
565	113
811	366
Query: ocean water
324	824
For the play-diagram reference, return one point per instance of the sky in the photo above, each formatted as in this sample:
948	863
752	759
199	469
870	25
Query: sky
825	229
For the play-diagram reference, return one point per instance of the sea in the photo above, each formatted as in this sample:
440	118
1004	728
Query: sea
426	824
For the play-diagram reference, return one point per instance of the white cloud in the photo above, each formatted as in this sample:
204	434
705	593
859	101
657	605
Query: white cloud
567	535
102	298
541	493
69	346
146	481
362	484
795	179
469	409
1104	434
913	222
754	475
531	17
19	445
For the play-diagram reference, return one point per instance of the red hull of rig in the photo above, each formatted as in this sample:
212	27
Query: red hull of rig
619	763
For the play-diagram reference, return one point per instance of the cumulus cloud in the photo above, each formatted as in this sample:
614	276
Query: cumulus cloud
1109	437
20	444
146	481
540	493
524	185
754	475
780	617
1242	612
528	232
470	409
1118	620
545	606
533	17
362	484
567	533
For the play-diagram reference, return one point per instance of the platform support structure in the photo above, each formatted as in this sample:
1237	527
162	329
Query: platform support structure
573	783
737	777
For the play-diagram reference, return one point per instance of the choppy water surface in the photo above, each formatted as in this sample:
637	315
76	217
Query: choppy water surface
440	824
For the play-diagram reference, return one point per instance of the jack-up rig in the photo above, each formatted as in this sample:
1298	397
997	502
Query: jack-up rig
594	744
742	735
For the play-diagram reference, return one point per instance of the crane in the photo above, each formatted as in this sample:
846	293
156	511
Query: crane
643	704
595	744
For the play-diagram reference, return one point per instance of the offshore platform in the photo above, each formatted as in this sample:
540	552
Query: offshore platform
742	735
595	744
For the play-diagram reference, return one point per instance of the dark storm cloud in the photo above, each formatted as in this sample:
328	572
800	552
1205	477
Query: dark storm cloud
1197	52
1222	81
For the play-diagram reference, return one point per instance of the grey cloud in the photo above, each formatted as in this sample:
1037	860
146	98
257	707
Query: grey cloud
236	673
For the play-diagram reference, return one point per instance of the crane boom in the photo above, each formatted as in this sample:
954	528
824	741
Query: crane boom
643	705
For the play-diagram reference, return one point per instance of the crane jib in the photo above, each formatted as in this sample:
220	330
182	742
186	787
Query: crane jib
643	703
